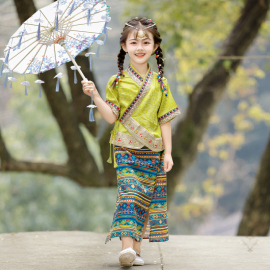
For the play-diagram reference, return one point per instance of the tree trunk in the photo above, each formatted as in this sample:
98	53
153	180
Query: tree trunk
256	216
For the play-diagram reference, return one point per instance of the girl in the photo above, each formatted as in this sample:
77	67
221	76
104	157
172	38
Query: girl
139	102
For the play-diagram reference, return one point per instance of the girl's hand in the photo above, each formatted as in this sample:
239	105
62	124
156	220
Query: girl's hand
168	162
89	87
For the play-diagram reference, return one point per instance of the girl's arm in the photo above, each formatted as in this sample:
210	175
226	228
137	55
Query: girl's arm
167	142
102	106
167	137
105	110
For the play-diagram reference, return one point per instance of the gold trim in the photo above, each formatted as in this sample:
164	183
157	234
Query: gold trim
114	109
134	77
143	135
141	96
132	141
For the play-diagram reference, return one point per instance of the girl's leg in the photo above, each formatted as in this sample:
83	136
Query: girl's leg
137	245
127	241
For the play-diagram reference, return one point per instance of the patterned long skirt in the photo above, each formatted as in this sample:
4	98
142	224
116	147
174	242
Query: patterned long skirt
142	187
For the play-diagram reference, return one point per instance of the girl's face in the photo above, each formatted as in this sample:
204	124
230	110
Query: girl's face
139	50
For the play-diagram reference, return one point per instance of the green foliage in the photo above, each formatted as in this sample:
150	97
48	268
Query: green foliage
35	202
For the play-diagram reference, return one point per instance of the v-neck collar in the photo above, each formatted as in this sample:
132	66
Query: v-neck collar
135	75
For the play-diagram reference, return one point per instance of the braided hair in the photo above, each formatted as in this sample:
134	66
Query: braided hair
139	23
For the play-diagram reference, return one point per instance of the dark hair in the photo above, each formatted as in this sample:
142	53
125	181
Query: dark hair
139	23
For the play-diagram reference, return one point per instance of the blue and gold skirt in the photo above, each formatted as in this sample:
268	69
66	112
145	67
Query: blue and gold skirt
142	187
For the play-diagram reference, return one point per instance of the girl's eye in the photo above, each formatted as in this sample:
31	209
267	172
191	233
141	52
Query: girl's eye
146	42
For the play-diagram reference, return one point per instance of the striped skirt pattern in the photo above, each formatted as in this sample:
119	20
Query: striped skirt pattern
142	187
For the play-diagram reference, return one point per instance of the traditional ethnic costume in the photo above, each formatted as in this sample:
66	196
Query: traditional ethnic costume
141	107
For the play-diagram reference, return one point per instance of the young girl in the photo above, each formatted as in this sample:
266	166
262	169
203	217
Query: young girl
139	102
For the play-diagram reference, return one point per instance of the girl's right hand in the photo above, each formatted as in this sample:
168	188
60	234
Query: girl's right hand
89	87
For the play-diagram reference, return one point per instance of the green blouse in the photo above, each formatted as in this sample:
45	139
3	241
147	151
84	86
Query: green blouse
151	111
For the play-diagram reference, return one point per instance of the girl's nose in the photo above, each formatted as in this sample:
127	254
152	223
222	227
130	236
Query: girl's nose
139	45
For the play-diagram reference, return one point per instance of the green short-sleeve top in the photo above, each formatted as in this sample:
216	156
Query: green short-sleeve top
153	110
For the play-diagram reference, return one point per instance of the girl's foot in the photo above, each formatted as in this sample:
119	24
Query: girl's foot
127	256
138	260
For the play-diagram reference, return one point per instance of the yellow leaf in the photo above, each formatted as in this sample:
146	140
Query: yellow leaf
201	147
211	170
223	154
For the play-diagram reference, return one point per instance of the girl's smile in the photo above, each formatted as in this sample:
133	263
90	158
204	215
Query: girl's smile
140	55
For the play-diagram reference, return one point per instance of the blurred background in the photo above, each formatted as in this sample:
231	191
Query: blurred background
210	196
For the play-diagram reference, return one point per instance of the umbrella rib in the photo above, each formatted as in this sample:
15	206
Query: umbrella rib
25	40
45	17
75	9
22	50
28	34
84	23
55	56
79	40
43	58
25	56
65	11
81	11
86	8
86	15
85	32
33	58
36	25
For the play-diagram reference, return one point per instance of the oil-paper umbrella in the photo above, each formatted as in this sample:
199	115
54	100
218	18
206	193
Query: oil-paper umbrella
54	35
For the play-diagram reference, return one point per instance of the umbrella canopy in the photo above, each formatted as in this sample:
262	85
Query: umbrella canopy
35	46
55	35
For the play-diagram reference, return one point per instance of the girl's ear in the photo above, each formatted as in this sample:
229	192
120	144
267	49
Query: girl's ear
156	46
123	45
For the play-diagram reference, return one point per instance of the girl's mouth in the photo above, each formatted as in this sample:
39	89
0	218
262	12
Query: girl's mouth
140	55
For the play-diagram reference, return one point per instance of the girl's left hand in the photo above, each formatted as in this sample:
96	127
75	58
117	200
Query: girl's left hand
168	162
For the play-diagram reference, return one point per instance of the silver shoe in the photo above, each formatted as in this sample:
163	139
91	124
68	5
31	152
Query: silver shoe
138	260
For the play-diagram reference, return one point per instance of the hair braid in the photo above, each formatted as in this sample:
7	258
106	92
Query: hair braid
160	63
121	58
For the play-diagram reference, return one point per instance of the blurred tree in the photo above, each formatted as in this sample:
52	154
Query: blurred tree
256	216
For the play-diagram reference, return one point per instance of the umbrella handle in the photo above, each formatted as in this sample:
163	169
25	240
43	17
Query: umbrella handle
62	43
